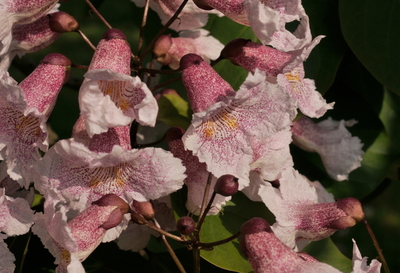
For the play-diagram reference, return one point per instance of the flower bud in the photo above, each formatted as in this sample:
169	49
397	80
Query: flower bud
227	185
353	208
144	209
62	22
161	48
202	5
185	225
112	200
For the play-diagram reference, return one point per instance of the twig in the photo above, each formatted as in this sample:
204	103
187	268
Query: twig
203	204
376	245
98	14
86	39
155	87
144	20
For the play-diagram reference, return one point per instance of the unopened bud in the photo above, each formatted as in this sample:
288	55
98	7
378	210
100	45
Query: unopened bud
234	48
227	185
161	48
202	5
185	225
352	207
189	60
62	22
144	209
113	34
112	200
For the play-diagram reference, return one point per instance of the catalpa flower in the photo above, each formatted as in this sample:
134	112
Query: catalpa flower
299	216
340	152
23	12
284	68
169	51
109	97
37	35
229	130
71	242
25	109
82	172
191	17
266	253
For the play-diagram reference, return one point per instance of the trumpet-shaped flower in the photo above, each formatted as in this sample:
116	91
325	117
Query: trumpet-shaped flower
266	253
109	97
298	214
71	242
340	152
37	35
235	129
82	172
284	68
25	109
23	12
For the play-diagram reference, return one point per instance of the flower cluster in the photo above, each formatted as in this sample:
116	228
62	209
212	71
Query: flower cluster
100	185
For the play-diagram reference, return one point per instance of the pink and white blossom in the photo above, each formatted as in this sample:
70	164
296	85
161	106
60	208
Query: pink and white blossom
340	152
360	262
109	96
25	109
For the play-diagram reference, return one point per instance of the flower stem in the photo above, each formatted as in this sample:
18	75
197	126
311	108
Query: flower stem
144	21
86	39
98	14
376	245
163	29
203	204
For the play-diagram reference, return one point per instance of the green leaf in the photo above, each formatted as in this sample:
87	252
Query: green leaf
228	222
174	111
371	29
326	57
326	251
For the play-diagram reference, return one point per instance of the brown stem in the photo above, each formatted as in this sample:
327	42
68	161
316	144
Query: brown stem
144	20
376	245
171	251
220	242
157	71
203	212
196	260
80	66
163	29
85	38
98	14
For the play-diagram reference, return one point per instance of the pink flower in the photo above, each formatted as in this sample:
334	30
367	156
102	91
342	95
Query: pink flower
23	12
82	170
109	97
340	152
230	131
37	35
169	51
25	109
73	241
299	216
266	253
360	263
284	68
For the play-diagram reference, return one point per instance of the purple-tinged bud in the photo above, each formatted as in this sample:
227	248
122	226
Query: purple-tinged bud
113	34
203	84
352	207
234	48
185	225
227	185
62	22
161	48
112	200
144	209
200	4
251	55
